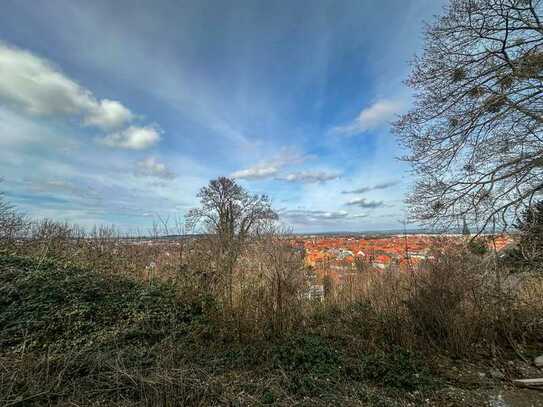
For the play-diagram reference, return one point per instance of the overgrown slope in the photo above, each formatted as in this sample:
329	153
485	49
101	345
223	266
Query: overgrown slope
69	335
44	306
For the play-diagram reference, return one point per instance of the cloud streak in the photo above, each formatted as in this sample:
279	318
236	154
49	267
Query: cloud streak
365	204
308	217
270	169
362	190
262	171
309	177
273	168
374	116
61	188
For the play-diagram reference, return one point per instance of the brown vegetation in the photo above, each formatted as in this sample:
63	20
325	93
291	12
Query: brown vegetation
455	304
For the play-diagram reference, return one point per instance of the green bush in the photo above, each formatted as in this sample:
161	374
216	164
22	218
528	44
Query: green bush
397	368
43	305
308	354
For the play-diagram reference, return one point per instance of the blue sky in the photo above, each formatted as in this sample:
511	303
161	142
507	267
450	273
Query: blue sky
118	111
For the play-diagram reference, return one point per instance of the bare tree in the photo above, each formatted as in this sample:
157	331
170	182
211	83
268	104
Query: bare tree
12	223
474	134
229	214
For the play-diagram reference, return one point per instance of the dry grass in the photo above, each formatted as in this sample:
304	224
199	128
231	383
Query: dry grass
453	302
250	351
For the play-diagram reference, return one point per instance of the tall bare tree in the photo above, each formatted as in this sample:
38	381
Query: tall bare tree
229	214
474	135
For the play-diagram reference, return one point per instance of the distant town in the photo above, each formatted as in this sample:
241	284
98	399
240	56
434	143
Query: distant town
338	256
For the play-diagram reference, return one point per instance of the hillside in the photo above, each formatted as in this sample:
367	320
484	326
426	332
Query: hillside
73	336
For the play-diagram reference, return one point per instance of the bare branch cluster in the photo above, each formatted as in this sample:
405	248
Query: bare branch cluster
474	135
12	223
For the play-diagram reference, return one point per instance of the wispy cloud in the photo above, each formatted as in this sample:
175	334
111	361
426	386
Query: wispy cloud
374	116
383	185
307	217
261	171
309	177
60	187
274	169
151	167
270	168
365	204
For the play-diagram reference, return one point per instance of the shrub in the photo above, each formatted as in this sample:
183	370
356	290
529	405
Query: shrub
398	368
44	305
308	354
12	224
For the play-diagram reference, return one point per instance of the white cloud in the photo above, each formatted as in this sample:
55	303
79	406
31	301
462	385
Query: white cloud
307	217
376	115
132	138
256	172
33	85
271	168
309	176
151	167
108	114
